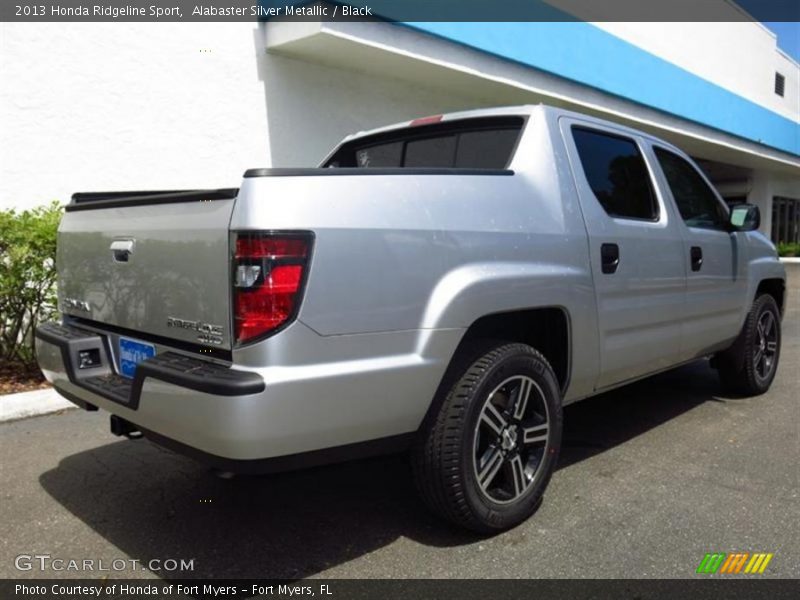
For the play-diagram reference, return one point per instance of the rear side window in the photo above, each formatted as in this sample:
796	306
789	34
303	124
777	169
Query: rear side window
696	201
486	143
616	173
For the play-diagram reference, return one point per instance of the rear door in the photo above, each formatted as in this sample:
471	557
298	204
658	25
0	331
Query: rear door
714	257
152	267
635	248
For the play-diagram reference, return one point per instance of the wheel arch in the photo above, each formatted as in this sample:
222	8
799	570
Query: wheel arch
548	329
775	287
545	328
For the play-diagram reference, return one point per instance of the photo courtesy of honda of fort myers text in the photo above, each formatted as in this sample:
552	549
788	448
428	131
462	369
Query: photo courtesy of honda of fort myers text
452	299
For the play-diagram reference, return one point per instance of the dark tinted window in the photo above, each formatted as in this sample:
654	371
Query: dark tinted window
486	143
696	201
487	149
617	174
437	151
384	155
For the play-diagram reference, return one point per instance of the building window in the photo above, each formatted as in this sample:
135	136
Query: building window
785	220
780	84
616	173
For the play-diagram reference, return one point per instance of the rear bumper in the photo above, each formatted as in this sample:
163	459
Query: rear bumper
196	403
318	400
183	371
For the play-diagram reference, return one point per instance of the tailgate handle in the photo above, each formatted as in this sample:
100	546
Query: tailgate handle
122	249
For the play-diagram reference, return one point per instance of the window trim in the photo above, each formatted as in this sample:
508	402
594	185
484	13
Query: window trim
650	175
720	201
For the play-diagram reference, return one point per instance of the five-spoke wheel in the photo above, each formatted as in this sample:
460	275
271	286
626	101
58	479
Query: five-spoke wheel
490	442
766	344
510	439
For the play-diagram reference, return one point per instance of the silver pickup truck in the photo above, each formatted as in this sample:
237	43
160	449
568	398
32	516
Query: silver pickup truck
443	286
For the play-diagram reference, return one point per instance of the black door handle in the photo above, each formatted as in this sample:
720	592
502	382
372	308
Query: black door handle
609	257
696	254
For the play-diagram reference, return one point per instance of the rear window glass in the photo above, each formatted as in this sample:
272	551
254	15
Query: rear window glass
383	155
470	144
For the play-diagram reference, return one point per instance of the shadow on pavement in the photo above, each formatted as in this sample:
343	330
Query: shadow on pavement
151	503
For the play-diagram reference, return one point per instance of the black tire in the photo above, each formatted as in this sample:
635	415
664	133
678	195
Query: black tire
459	438
748	367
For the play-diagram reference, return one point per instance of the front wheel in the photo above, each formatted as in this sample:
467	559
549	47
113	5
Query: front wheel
749	366
486	454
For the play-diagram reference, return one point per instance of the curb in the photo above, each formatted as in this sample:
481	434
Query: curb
31	404
791	260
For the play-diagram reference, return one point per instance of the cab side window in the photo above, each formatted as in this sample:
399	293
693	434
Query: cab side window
696	201
616	173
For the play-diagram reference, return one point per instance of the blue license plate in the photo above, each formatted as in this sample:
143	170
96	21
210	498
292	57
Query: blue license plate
131	353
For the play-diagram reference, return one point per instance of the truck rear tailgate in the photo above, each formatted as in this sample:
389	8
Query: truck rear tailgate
154	264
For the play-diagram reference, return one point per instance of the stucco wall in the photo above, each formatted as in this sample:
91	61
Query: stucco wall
741	57
311	107
115	106
167	106
170	106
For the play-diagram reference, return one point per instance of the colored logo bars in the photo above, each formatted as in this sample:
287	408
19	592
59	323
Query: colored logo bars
733	563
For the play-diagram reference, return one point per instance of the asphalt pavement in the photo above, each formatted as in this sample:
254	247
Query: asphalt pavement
651	477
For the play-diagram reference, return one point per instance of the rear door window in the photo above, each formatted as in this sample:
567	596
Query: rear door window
485	143
616	173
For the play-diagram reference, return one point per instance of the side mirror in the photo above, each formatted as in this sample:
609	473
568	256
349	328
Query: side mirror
745	217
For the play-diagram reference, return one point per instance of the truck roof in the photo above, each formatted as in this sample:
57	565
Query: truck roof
499	111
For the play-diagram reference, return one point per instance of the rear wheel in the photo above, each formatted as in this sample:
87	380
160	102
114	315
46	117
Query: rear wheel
749	366
486	454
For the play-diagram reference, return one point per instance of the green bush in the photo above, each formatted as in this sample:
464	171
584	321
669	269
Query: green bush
27	278
788	249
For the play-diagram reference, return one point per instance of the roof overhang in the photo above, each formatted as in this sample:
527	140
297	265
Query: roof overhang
386	50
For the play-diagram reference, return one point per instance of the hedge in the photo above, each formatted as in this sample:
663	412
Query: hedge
27	278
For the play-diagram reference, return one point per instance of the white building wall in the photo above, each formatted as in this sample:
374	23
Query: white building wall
741	57
115	106
311	107
168	106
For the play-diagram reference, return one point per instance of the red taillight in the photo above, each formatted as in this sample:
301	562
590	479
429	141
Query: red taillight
268	273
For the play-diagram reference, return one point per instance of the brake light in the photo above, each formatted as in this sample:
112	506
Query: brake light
426	120
269	271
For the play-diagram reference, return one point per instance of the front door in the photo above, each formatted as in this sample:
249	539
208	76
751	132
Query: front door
716	287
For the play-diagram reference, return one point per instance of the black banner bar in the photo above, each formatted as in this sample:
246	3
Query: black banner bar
731	588
400	10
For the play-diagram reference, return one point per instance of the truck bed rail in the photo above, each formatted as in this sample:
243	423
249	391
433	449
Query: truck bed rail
97	200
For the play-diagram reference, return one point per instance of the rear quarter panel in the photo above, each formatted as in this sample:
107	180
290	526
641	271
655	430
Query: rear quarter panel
437	252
